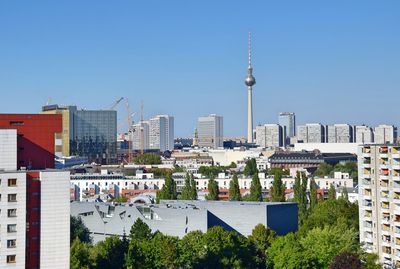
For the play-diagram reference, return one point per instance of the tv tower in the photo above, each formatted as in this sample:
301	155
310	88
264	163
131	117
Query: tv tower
250	81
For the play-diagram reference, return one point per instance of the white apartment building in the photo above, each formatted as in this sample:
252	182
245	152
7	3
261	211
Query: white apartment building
161	133
142	126
385	134
8	149
34	219
379	201
364	134
269	136
339	133
12	220
210	131
311	133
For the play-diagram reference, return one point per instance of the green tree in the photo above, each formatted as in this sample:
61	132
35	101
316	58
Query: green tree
80	255
262	238
79	230
140	231
323	170
323	244
213	190
139	234
234	190
277	192
186	190
345	194
332	192
300	195
193	188
251	168
192	250
255	189
168	191
147	158
109	253
313	194
226	249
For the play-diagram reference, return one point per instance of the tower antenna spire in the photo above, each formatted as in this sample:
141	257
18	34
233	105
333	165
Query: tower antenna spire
249	49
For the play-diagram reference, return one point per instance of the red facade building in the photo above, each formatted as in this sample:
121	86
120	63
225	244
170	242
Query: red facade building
36	138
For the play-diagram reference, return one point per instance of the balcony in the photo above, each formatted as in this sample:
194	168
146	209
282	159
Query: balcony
385	205
367	182
368	224
385	194
396	218
368	214
397	241
387	250
367	192
396	195
386	217
367	203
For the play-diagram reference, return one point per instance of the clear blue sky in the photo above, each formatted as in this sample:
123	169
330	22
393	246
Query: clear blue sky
327	61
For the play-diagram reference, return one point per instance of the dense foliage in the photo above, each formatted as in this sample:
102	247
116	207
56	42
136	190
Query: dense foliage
147	158
348	167
189	190
168	191
234	190
251	168
277	191
213	190
79	230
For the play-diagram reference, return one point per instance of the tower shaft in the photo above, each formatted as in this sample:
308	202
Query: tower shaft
250	114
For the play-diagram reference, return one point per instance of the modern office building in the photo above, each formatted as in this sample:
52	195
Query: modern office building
288	122
8	149
38	138
379	201
269	136
89	133
339	133
385	134
161	133
137	136
210	131
177	218
363	134
311	133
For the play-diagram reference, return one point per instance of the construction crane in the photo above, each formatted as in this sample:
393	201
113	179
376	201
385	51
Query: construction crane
141	129
130	129
114	105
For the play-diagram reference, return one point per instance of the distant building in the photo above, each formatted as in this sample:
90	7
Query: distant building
385	134
288	122
87	133
339	133
177	218
141	126
38	138
161	133
210	131
269	135
364	134
311	133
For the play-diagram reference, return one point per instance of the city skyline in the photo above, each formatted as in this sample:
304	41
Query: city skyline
345	55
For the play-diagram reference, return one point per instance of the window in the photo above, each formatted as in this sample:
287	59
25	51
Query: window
11	243
16	123
11	259
12	182
12	213
12	197
12	228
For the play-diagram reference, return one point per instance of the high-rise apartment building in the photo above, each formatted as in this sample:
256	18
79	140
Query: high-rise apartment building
8	149
269	135
141	130
88	133
210	131
339	133
311	133
379	201
288	122
161	133
385	134
38	138
363	134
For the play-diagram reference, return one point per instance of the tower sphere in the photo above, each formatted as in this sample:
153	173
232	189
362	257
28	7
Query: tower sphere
250	80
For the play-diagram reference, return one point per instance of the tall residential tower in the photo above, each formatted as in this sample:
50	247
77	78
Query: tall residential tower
250	81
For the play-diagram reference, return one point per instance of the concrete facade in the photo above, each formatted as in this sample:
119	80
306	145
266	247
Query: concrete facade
8	149
210	131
